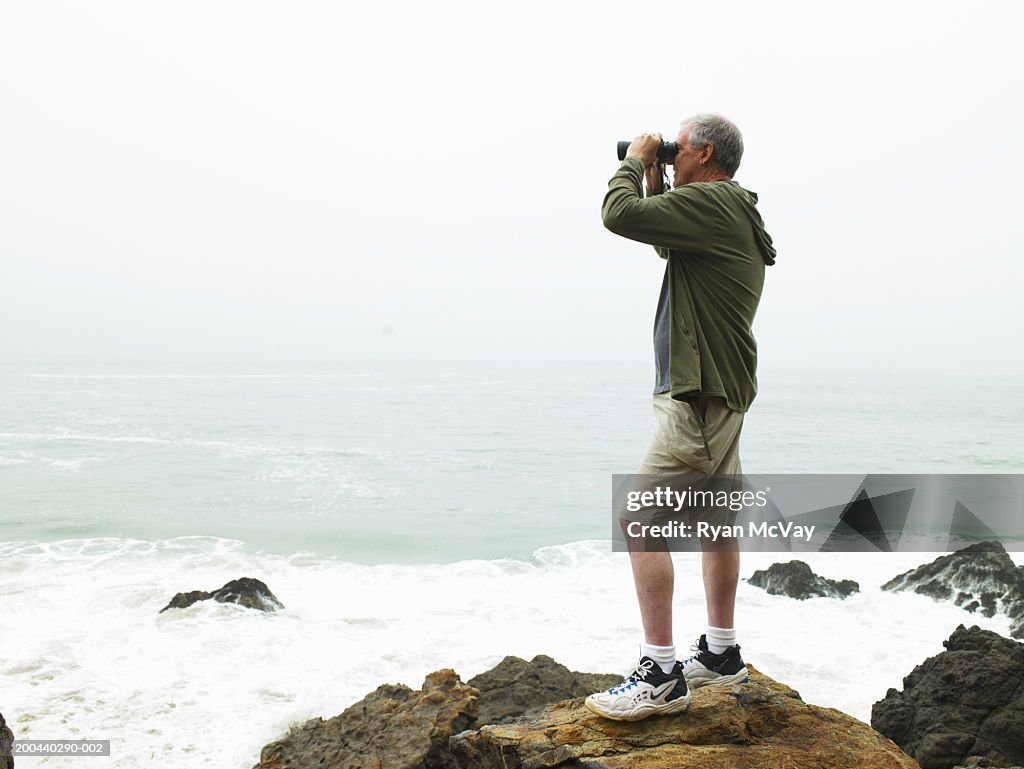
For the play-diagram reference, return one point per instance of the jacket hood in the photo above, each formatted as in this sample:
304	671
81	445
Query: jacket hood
764	240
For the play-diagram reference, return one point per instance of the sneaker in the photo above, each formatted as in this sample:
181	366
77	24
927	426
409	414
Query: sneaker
707	669
647	691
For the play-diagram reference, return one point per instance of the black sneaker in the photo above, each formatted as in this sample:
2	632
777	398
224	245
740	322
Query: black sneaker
707	669
647	691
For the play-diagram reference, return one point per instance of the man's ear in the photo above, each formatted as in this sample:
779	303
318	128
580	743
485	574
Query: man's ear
707	153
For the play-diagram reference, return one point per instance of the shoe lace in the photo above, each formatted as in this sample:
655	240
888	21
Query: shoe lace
640	672
705	657
695	648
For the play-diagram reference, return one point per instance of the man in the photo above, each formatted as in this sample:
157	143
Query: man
715	246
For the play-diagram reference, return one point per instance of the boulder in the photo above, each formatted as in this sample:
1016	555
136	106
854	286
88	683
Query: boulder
6	738
246	591
966	702
761	724
391	728
796	580
516	688
980	577
977	762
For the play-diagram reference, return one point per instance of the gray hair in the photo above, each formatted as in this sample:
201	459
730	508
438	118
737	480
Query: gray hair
720	133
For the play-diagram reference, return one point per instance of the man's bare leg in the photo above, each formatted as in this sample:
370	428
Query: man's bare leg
657	684
654	578
720	565
721	570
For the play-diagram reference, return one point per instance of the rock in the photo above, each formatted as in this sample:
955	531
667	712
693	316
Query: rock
758	725
6	738
515	687
1017	625
967	701
391	728
246	591
796	580
977	762
183	600
978	577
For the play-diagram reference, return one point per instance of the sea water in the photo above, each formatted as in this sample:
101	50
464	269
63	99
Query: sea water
410	518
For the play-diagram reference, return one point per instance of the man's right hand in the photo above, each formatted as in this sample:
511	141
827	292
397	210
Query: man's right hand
655	178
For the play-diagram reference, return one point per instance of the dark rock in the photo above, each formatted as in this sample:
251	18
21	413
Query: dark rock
796	580
981	576
515	687
966	701
246	591
6	738
184	600
758	724
392	728
978	762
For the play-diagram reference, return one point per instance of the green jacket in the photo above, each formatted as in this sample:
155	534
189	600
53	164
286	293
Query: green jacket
717	248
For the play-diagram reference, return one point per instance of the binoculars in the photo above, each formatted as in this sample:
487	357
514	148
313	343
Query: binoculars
666	152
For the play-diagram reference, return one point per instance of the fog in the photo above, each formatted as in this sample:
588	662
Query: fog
318	181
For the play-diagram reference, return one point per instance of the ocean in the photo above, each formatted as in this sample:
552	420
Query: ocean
410	517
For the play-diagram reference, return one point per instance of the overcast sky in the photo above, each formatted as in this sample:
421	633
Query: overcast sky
269	181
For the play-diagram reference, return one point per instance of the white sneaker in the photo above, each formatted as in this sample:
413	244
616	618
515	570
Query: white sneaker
707	669
647	691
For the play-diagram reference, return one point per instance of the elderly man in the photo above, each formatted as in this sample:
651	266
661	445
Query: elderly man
715	247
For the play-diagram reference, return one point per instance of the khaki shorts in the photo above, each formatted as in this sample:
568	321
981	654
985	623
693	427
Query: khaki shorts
679	446
678	459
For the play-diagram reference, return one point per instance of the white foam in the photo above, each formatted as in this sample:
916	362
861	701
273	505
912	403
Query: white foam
68	435
208	686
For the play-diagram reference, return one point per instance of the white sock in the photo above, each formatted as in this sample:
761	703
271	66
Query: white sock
665	656
720	638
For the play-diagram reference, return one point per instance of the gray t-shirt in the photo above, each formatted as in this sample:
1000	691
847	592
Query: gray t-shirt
661	325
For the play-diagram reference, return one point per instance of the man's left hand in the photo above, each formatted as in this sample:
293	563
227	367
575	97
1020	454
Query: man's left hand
645	148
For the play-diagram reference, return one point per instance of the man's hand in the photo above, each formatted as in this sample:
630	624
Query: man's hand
655	177
645	147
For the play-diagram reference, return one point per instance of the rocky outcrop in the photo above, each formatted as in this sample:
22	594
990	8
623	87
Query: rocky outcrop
796	580
758	725
516	688
966	702
246	591
980	577
6	738
762	724
392	728
977	762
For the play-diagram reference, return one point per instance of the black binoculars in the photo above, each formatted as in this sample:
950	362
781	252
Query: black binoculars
666	152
